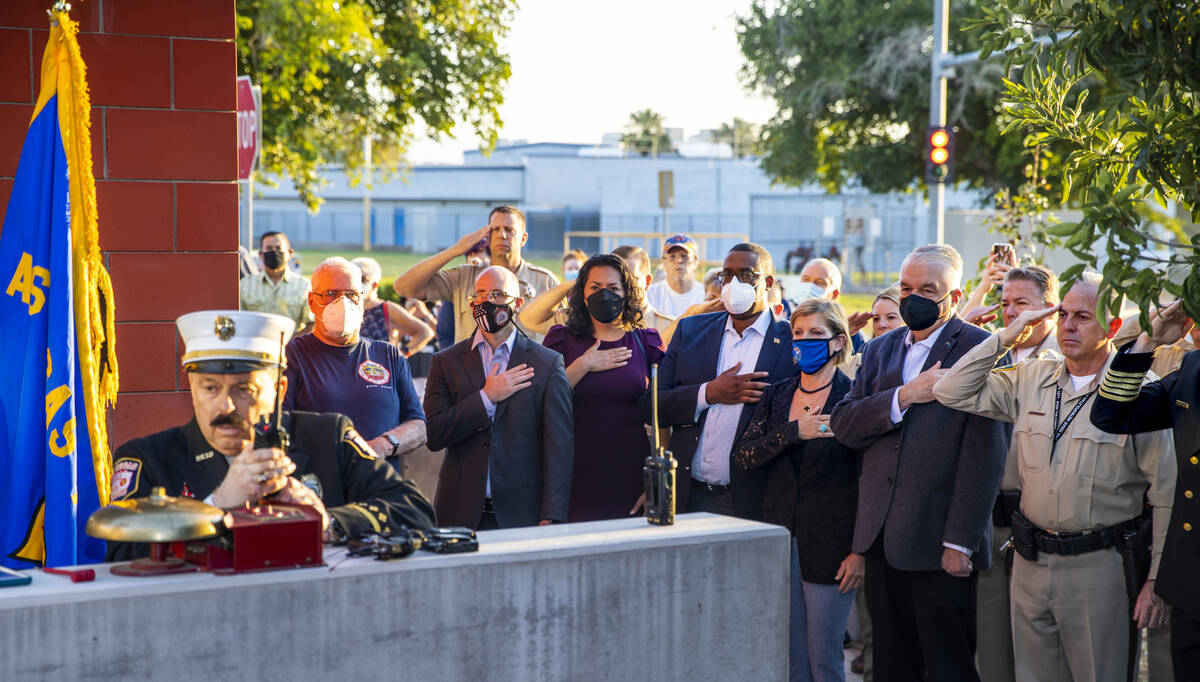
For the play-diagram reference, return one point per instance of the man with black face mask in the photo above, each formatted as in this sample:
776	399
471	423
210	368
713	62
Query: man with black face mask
929	480
277	289
500	404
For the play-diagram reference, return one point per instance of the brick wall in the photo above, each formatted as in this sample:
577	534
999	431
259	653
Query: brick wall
163	146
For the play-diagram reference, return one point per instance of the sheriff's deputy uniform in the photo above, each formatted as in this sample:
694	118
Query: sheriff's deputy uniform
359	491
1129	404
1082	491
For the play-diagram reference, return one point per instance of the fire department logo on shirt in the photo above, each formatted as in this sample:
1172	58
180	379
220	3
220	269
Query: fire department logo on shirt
374	372
125	477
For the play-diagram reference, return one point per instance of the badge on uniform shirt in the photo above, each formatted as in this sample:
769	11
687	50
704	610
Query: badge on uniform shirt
125	477
186	492
374	372
359	444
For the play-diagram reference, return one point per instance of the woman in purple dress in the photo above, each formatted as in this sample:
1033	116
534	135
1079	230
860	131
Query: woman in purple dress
608	353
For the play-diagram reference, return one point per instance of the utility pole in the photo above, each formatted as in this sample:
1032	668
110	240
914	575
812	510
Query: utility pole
366	247
937	112
942	63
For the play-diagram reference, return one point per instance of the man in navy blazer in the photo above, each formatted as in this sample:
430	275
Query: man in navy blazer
929	479
716	364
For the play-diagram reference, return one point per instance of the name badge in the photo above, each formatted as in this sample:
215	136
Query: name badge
1182	404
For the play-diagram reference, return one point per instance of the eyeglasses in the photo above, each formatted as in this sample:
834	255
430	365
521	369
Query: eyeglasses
746	276
495	296
327	297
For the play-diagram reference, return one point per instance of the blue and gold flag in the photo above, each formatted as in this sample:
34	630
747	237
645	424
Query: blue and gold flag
58	370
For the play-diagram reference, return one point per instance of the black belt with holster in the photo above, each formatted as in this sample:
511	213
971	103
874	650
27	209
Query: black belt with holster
1007	502
1028	539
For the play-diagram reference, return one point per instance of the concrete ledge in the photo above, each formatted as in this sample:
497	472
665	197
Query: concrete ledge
703	599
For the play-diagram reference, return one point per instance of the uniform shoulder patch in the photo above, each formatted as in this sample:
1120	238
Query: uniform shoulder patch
359	444
126	472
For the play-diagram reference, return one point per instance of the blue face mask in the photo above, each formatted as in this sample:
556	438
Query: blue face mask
810	354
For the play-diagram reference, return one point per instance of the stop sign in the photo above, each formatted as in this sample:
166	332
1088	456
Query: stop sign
248	131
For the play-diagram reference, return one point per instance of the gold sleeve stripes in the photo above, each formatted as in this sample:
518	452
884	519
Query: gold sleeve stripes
1122	387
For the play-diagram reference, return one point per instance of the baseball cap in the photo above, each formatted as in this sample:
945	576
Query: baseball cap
680	240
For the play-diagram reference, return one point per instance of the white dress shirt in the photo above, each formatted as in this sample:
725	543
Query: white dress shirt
711	462
491	361
914	360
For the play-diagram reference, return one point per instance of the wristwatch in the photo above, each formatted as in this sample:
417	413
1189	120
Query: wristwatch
395	443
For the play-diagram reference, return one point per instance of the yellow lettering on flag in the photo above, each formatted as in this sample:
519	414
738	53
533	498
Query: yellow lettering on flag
54	400
65	445
33	549
23	282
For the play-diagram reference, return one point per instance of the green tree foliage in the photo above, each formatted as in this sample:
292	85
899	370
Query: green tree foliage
851	79
741	136
645	134
1135	141
335	71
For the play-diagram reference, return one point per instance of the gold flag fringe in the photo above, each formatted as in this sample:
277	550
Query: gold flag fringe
94	305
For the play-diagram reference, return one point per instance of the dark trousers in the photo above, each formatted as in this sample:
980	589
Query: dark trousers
924	623
701	500
1185	646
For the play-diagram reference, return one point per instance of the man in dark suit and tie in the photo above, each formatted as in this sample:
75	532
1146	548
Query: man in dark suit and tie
501	406
929	480
716	363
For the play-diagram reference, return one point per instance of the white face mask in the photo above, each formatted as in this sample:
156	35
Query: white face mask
342	318
738	297
807	290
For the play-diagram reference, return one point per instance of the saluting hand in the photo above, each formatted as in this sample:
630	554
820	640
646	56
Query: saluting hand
703	307
501	385
463	245
981	315
1022	327
1167	327
253	475
858	320
731	388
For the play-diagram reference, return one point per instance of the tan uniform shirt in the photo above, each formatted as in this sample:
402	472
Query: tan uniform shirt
457	285
288	297
1095	479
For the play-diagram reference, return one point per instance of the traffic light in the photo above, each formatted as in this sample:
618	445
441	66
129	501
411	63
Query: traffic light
939	153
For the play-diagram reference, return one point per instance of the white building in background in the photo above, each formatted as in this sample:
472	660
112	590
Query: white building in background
574	187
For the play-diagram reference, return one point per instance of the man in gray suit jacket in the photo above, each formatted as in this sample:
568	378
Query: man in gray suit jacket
929	479
501	406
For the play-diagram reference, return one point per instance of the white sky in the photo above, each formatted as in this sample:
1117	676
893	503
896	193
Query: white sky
580	67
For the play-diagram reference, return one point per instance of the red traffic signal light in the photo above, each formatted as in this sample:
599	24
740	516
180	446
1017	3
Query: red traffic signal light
940	150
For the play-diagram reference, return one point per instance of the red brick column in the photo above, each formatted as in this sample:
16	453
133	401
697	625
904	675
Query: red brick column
162	80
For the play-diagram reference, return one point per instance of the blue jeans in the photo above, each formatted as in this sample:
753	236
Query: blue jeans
818	619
